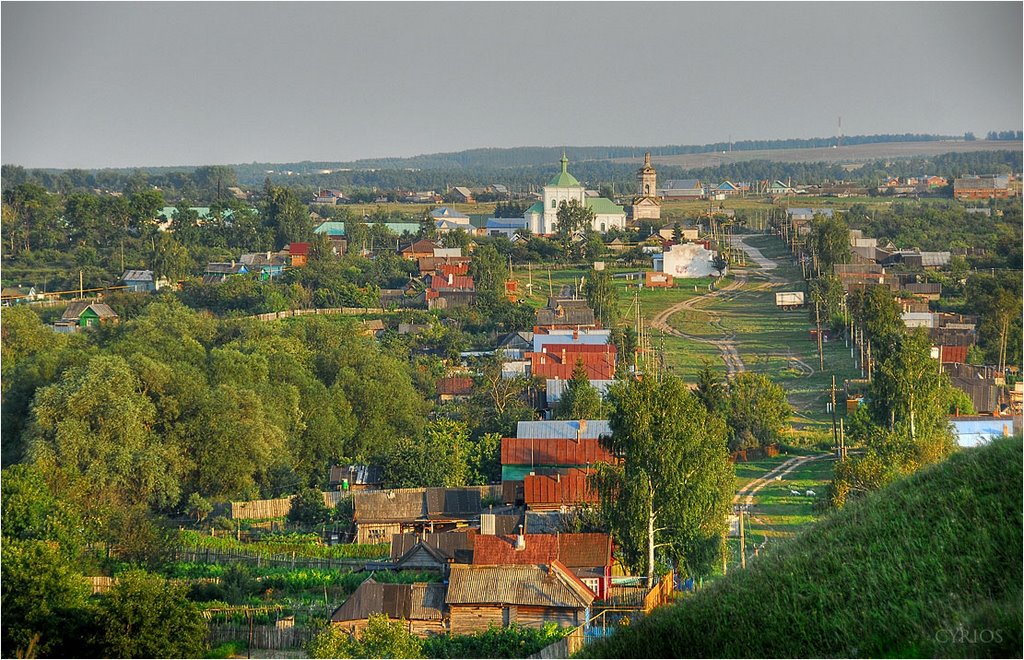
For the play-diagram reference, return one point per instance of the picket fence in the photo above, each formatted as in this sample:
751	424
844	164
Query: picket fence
260	636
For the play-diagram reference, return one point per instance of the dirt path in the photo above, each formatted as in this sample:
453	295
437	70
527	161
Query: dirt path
726	344
746	494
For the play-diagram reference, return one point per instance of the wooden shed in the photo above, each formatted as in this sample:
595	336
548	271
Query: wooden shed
531	595
420	606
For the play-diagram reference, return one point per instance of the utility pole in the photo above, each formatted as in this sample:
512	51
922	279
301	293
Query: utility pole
743	544
817	322
835	432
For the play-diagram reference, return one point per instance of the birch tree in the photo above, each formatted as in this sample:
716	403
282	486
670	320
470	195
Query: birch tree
670	492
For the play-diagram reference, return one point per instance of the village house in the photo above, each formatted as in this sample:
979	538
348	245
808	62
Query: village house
84	314
328	197
355	477
447	219
454	388
481	596
335	233
418	249
17	295
588	336
587	556
265	265
560	360
565	313
141	281
507	227
451	547
449	291
682	189
381	514
217	272
418	606
462	194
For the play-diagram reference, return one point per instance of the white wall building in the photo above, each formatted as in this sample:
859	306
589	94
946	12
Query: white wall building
686	260
542	217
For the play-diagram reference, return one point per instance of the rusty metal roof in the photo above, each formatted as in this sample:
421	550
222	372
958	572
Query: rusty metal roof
557	490
573	550
552	451
543	586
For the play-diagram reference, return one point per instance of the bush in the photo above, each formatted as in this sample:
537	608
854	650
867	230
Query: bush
308	508
512	642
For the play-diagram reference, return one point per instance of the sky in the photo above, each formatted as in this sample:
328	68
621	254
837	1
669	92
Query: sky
131	84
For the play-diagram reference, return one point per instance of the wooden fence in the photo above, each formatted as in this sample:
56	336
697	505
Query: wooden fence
275	508
348	311
660	594
260	636
258	559
563	648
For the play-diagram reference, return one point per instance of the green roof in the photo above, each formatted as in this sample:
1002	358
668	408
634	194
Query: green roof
538	207
603	205
331	228
563	179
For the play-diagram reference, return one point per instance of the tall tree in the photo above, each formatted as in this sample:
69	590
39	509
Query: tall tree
673	487
580	399
602	297
757	411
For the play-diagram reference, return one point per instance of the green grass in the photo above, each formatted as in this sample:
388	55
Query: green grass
927	567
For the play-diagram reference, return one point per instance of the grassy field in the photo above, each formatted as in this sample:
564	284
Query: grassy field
927	567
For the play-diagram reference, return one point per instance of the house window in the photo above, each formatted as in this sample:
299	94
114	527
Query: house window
602	227
554	204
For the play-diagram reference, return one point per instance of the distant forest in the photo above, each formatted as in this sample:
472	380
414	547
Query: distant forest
520	169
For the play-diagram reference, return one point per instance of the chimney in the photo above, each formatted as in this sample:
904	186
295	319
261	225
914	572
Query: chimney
232	263
520	539
451	278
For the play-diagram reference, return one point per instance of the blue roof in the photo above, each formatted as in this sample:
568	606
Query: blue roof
445	212
331	228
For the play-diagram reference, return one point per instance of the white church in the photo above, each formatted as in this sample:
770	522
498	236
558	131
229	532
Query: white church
542	217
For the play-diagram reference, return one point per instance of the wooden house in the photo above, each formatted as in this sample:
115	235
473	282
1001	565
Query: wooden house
356	477
87	315
298	254
219	271
588	556
529	595
418	249
381	514
565	313
454	388
419	606
455	546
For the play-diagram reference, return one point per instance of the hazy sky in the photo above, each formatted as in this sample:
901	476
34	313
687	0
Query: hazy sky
146	83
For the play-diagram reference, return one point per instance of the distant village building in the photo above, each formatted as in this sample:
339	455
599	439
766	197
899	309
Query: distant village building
646	203
682	189
79	315
448	219
685	260
542	217
142	281
977	187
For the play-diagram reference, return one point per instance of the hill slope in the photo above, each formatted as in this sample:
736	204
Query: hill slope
930	566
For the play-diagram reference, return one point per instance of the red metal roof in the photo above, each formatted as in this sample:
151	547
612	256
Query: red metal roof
573	550
540	549
552	451
542	491
298	248
453	269
452	283
548	364
953	354
455	385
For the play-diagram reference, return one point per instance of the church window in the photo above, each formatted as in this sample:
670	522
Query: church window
647	189
554	204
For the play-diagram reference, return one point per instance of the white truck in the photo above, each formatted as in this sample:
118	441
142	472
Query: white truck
789	299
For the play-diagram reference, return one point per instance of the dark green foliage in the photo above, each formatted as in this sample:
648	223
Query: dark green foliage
42	595
904	572
143	616
308	507
674	487
382	638
580	399
514	641
757	410
602	297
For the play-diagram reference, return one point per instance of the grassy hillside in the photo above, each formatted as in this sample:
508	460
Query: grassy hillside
930	566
